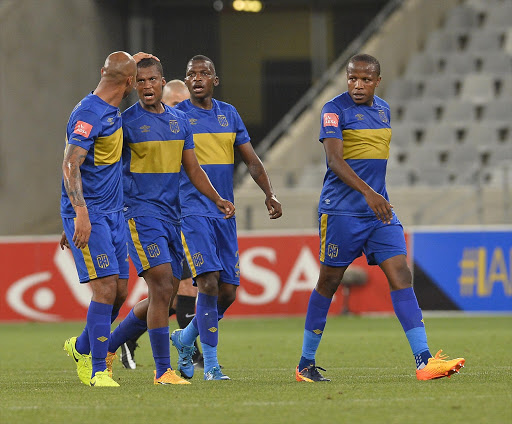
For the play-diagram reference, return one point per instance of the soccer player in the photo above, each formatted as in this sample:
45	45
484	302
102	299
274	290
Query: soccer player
184	305
157	141
175	91
210	242
91	210
355	216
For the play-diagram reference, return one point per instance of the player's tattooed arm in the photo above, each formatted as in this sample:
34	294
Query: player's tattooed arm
74	156
260	176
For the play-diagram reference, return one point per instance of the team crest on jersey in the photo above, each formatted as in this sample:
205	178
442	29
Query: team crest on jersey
332	250
360	116
102	260
153	250
192	121
144	128
173	124
383	117
197	259
222	120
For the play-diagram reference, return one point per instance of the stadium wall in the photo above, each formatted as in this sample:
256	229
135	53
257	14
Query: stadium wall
52	52
468	270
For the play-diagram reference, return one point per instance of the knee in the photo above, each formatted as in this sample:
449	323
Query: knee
227	297
328	285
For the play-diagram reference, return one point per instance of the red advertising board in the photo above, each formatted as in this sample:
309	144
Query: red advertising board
278	272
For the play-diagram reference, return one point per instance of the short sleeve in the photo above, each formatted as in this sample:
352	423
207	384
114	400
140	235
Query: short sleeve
83	128
331	122
242	136
189	135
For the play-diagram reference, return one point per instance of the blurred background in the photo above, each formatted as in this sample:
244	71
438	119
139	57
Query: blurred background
446	72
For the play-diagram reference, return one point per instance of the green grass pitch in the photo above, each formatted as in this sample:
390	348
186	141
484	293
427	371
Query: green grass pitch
367	358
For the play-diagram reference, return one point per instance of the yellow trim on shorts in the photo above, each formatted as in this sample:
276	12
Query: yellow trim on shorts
323	233
138	246
89	263
188	255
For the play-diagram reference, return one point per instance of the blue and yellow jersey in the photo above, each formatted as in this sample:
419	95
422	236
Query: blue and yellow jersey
96	126
152	151
366	134
216	132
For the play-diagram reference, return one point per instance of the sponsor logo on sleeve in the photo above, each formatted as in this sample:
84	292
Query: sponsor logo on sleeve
331	120
82	128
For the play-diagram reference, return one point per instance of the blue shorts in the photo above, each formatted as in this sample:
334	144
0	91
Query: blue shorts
343	238
211	245
106	252
153	242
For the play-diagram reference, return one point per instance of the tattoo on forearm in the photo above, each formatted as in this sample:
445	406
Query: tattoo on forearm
73	158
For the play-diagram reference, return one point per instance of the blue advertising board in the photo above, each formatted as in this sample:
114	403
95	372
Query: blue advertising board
473	269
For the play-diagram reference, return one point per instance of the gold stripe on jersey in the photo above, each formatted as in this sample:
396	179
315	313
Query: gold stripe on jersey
138	246
323	232
366	144
156	157
188	256
215	148
107	150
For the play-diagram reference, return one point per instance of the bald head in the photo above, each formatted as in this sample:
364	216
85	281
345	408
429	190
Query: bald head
118	66
175	91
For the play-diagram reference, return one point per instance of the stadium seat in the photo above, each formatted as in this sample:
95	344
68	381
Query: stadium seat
481	135
497	63
443	41
457	113
402	90
419	111
421	64
478	88
440	136
498	111
312	176
398	176
505	87
460	63
462	17
433	176
440	87
405	134
507	45
499	16
486	39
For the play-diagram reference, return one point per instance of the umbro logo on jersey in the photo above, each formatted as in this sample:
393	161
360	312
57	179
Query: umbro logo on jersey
144	128
110	121
212	329
360	116
192	121
102	339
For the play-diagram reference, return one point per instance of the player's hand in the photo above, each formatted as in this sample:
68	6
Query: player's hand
226	207
141	55
380	206
274	207
64	241
82	228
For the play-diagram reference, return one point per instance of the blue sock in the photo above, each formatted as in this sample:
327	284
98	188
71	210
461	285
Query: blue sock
316	317
209	356
127	329
159	338
409	314
207	319
82	341
98	326
189	333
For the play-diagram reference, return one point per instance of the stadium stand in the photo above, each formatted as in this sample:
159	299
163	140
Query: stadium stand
451	102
